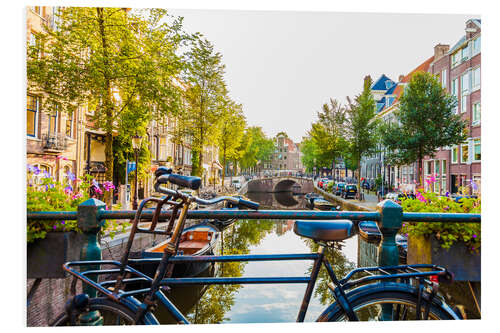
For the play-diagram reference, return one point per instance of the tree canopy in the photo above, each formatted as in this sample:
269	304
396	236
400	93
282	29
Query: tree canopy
119	63
361	126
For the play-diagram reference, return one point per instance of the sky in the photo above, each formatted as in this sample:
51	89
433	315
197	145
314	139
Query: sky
283	66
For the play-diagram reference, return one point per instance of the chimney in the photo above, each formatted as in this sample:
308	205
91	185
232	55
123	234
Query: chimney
401	77
440	50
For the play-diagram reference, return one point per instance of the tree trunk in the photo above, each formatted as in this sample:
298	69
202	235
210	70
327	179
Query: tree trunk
223	166
108	109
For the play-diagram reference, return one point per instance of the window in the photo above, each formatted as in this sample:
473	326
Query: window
476	114
443	169
437	164
477	180
69	124
476	46
465	53
454	87
53	122
154	149
476	78
32	115
456	58
465	82
44	170
477	150
454	154
443	78
163	149
464	158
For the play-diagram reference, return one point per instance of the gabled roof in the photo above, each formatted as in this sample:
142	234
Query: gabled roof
423	67
380	83
477	22
391	89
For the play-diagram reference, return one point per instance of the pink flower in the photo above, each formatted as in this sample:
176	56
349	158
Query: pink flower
76	196
108	186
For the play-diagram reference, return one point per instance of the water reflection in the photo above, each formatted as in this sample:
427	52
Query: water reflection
278	200
271	302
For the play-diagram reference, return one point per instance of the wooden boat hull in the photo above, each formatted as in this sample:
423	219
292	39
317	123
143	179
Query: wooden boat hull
188	247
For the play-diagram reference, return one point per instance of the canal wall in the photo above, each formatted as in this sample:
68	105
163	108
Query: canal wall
344	204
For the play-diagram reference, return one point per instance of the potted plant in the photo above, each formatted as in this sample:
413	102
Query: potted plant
456	246
51	243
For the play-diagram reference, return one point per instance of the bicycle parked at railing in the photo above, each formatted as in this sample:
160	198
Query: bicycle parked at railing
406	292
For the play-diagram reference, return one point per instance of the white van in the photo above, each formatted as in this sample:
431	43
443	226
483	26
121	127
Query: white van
236	184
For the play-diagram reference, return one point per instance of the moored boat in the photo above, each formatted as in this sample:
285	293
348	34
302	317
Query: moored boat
197	240
322	204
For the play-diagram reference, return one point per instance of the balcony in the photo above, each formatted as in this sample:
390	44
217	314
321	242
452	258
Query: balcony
54	142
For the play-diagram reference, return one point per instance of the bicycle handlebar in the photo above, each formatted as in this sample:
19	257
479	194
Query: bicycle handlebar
178	179
184	181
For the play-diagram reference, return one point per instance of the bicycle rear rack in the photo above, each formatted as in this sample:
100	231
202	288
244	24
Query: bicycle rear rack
404	272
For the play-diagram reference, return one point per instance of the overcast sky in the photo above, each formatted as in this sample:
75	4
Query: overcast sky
282	66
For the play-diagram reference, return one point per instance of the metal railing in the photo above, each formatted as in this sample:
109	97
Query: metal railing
389	216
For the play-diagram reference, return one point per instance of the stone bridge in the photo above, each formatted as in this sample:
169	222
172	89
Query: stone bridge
280	184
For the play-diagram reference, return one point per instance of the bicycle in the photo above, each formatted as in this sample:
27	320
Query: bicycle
404	292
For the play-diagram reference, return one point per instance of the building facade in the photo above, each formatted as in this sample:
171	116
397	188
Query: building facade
285	158
459	70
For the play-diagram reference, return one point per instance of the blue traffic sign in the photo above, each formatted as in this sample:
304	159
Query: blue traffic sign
130	167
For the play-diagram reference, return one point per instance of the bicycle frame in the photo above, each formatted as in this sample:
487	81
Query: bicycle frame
114	288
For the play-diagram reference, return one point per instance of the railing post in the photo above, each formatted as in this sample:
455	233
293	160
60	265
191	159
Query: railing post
391	218
90	224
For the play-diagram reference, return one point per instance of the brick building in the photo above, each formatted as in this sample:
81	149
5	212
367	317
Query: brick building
459	70
286	156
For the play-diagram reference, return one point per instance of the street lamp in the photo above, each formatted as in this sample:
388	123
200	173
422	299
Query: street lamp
136	144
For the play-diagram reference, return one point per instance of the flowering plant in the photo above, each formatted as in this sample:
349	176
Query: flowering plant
46	194
446	233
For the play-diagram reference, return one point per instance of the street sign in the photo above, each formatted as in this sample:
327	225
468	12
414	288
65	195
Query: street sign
130	167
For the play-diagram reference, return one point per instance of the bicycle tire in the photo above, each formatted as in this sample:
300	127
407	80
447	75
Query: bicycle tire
367	303
108	309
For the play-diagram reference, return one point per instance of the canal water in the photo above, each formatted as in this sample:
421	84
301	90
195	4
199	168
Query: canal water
267	303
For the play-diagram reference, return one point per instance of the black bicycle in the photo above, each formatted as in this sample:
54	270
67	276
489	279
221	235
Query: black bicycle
405	292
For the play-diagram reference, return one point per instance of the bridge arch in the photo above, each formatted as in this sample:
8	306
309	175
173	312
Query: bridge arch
286	185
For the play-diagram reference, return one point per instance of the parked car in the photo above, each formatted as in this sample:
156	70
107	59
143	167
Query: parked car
338	188
236	184
349	191
325	184
392	196
321	181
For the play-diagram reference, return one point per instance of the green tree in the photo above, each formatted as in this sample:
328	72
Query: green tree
425	122
361	127
256	146
113	60
205	95
328	133
231	130
311	155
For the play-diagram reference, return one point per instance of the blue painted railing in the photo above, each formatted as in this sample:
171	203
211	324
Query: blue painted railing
389	215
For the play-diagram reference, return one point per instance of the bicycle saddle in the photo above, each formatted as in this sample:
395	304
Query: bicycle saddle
325	230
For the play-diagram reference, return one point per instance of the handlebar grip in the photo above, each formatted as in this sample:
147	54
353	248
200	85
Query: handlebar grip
248	204
183	181
162	171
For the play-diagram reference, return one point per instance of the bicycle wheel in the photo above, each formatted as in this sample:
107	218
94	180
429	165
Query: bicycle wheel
387	301
112	313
